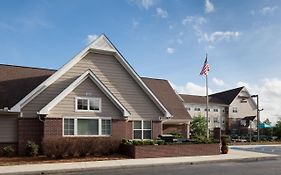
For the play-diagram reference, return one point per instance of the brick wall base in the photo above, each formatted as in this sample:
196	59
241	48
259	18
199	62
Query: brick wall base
176	150
29	129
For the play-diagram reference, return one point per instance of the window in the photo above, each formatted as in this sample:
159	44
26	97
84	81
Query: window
79	126
216	120
68	126
196	109
216	110
188	108
88	104
234	110
206	109
142	129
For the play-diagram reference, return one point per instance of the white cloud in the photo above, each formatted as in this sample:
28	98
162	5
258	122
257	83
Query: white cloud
146	4
191	88
218	82
170	50
268	10
269	92
161	13
209	7
194	20
219	36
91	38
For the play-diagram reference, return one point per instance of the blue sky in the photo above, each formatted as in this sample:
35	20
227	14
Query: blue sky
164	39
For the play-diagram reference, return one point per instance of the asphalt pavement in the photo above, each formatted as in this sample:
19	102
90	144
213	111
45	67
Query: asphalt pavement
267	149
152	165
229	168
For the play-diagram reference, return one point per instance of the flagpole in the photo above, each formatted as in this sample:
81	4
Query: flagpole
207	103
207	106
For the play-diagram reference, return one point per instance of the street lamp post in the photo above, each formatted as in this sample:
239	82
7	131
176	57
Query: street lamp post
258	115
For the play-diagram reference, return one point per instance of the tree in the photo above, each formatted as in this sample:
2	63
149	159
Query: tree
199	126
277	129
267	131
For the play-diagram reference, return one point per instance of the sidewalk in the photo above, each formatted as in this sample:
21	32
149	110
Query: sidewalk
233	155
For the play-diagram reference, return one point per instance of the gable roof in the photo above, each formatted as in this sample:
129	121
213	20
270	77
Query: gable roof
168	97
225	97
77	82
101	44
228	96
17	81
200	99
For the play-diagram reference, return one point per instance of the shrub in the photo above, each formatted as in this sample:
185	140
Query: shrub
31	149
55	148
176	135
8	151
69	147
224	148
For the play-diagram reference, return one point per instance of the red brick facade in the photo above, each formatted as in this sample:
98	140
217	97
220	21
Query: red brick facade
29	129
53	127
175	150
35	130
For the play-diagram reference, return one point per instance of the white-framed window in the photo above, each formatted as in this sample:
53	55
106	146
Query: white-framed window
234	109
188	108
88	104
216	110
196	109
142	129
85	126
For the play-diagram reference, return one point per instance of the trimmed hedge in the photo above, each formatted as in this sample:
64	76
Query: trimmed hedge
79	147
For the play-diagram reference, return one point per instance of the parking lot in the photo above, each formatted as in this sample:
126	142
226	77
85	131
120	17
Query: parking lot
268	149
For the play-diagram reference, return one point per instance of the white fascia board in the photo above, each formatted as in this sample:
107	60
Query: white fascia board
98	44
77	82
17	107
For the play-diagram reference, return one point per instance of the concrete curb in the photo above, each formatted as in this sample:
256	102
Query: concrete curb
118	167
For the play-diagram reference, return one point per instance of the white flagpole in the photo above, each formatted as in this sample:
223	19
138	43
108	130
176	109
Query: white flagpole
207	103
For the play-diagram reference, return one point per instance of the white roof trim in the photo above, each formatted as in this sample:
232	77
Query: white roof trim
77	82
102	43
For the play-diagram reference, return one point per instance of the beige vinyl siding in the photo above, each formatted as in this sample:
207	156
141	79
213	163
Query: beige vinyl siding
8	129
67	106
115	78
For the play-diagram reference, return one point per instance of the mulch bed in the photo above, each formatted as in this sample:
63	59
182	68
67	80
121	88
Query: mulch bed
4	161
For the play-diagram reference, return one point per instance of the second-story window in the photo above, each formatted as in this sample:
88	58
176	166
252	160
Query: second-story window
92	104
234	110
216	110
196	109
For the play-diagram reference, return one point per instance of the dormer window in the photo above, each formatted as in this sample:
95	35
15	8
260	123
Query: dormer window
91	104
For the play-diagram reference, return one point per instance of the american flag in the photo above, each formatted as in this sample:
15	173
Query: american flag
206	68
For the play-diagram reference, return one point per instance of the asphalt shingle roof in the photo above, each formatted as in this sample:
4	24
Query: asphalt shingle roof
168	97
17	81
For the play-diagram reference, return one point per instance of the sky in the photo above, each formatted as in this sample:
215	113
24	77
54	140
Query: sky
159	38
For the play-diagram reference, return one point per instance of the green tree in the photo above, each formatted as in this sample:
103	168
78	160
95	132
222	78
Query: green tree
199	126
277	129
267	131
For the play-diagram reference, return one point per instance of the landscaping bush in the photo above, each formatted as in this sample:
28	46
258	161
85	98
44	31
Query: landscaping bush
224	142
176	135
8	151
70	147
31	149
143	142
